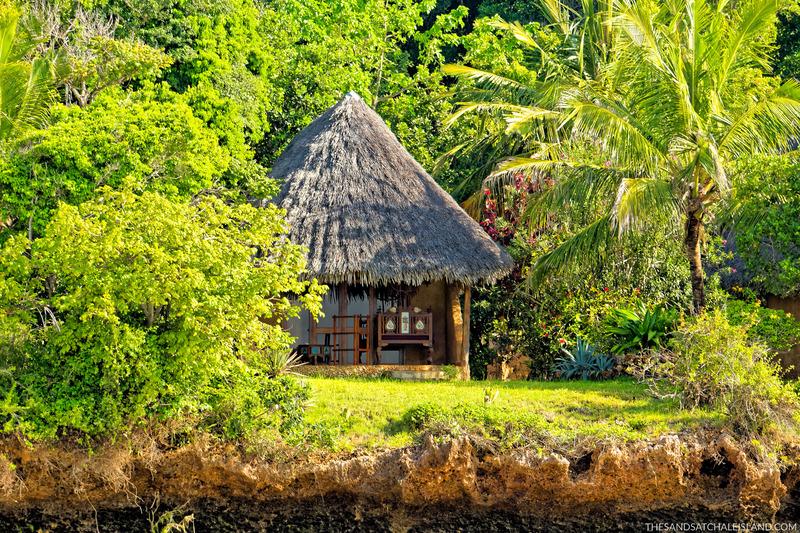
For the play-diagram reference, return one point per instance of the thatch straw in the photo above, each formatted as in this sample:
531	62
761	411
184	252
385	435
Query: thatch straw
370	214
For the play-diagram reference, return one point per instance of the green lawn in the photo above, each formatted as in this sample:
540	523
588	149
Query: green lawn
370	412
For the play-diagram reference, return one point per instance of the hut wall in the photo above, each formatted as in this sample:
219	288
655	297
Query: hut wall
791	306
431	296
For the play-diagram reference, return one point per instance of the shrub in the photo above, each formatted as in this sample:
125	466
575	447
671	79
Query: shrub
277	362
248	404
134	306
714	363
777	329
451	372
767	202
636	330
418	416
585	362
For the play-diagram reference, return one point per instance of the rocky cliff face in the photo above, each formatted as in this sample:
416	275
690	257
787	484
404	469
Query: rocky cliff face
711	473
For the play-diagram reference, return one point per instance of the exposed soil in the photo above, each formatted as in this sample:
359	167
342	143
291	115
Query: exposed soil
341	515
430	487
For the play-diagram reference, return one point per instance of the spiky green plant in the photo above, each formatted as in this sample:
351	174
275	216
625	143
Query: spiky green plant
639	329
583	361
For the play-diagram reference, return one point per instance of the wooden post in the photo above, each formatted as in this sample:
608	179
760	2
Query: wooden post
454	325
371	324
341	324
342	299
465	335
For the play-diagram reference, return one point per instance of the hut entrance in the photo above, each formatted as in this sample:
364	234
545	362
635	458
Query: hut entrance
369	325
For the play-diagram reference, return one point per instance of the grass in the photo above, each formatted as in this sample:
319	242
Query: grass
373	412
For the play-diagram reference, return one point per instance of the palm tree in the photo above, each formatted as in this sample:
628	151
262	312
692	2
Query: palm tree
517	112
26	85
659	139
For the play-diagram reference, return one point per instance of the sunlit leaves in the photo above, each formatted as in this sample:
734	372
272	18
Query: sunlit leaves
150	301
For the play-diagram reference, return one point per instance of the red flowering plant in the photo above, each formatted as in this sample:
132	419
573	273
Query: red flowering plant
503	208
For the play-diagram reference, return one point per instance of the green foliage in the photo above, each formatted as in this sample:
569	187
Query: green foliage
422	414
714	363
639	329
129	139
766	207
451	372
776	329
87	56
511	318
615	127
787	59
133	306
585	362
223	58
26	84
247	405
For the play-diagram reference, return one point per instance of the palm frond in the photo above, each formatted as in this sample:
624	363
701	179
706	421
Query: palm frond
557	14
579	185
636	21
768	126
489	79
639	200
522	118
588	244
474	205
25	86
625	141
755	18
519	32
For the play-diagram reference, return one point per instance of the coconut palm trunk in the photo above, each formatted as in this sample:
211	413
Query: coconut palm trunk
693	243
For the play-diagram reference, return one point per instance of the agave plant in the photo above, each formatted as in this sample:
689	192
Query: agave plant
583	361
277	362
641	329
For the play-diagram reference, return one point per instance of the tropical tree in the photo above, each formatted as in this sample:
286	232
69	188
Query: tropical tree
651	141
517	97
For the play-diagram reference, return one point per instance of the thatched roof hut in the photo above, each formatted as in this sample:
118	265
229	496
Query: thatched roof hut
370	214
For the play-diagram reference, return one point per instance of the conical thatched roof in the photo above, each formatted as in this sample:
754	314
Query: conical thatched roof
370	214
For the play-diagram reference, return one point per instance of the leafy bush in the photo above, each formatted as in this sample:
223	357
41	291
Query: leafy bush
133	306
121	139
419	415
767	205
777	329
585	362
714	363
451	372
249	404
513	318
639	329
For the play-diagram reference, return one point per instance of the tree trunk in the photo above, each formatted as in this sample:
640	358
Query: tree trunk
694	233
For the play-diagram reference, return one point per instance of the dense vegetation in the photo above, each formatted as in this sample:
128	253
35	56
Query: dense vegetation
635	183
